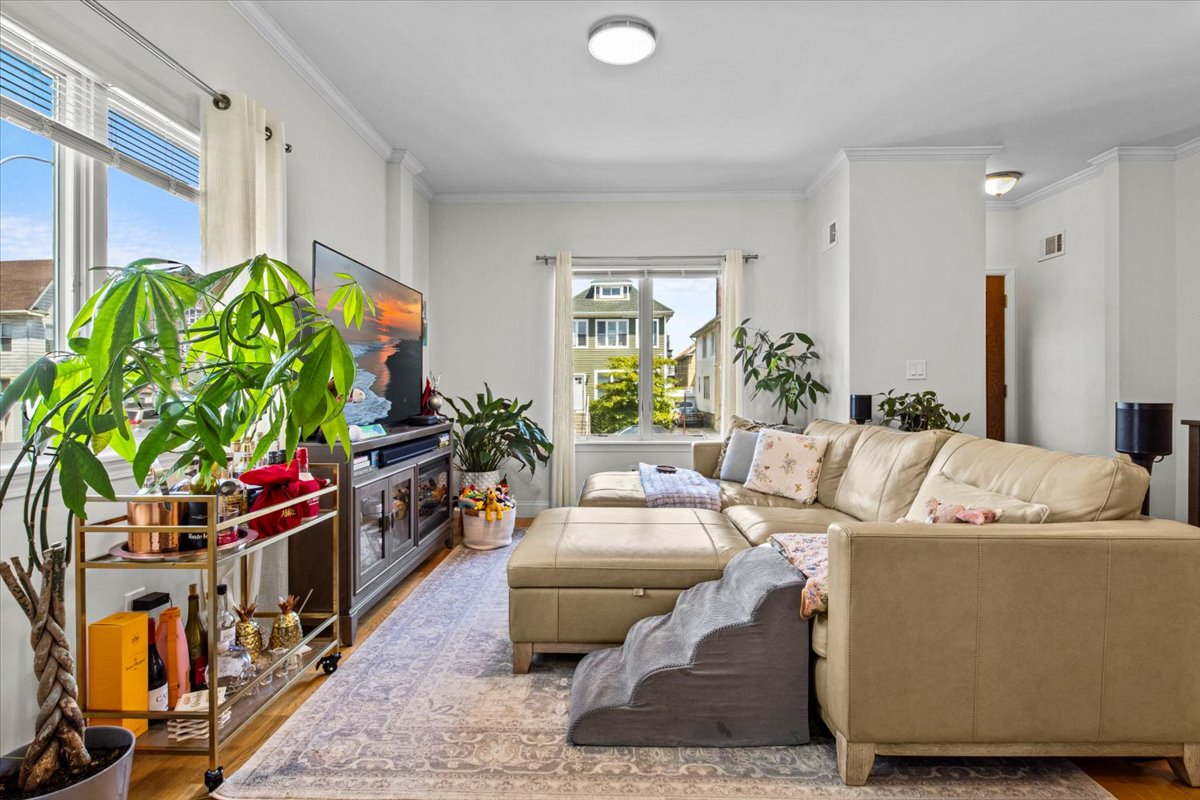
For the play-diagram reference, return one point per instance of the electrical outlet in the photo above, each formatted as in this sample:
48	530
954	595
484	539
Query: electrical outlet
131	596
915	370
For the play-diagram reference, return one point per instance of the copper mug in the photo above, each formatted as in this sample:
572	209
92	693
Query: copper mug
152	513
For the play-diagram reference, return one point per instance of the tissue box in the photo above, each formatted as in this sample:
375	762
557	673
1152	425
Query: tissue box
117	670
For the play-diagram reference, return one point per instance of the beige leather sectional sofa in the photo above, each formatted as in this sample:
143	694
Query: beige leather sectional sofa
1079	636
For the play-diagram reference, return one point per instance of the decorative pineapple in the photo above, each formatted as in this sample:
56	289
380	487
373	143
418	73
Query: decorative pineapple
246	633
286	631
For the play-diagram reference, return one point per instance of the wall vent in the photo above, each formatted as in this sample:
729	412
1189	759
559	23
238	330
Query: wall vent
829	235
1051	246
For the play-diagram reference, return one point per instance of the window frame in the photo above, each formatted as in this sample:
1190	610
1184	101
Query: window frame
578	321
646	348
629	337
83	101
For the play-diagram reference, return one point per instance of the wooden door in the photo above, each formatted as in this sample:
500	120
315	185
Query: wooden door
997	391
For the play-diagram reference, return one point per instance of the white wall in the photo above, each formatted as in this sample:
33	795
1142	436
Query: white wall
1187	300
828	291
917	259
336	194
491	312
1114	317
1061	321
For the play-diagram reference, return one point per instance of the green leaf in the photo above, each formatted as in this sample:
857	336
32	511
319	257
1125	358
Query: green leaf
154	443
112	329
312	386
85	470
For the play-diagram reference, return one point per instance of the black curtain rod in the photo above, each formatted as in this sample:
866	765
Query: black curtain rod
220	101
549	259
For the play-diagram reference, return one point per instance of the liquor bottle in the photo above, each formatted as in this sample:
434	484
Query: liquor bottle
172	647
231	503
197	642
202	483
312	506
156	672
226	621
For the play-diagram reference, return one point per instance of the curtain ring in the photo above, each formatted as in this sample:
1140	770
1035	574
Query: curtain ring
222	102
287	148
269	133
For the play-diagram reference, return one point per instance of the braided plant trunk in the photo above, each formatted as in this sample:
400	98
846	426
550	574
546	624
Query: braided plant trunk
58	742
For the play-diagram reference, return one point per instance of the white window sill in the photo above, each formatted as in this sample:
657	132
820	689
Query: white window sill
660	442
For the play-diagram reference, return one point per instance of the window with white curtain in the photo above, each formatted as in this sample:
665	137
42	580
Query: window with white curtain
664	398
92	177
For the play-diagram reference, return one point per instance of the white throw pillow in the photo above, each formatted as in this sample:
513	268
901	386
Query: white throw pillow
787	464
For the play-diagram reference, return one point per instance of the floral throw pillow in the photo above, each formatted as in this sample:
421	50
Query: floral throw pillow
787	464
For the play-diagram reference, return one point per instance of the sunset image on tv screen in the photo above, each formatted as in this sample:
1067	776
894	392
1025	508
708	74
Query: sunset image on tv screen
387	389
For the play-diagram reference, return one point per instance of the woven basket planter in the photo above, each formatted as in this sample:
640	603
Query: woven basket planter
479	534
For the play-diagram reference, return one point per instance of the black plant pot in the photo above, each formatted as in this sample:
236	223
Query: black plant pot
111	783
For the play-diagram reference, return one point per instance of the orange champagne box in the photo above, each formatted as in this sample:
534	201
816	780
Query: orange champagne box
117	669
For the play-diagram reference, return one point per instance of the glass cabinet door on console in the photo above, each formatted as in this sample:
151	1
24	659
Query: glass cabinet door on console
399	521
433	484
371	547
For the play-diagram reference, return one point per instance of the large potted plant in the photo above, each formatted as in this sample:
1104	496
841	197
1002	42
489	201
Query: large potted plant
778	366
218	357
492	431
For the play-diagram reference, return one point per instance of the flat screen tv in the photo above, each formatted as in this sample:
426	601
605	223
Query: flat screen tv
388	387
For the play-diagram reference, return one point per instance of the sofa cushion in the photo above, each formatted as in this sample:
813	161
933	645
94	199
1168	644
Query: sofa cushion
787	465
736	494
759	523
1076	488
737	423
842	438
652	548
613	490
739	456
1009	510
884	472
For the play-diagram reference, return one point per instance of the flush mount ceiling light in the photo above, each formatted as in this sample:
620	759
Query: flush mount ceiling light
621	41
1000	183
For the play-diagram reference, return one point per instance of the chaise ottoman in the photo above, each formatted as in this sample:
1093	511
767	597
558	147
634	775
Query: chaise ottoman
581	577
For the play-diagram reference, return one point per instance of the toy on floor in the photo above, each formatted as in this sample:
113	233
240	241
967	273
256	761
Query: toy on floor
492	510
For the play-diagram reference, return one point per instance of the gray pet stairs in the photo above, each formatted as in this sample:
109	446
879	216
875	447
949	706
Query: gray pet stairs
727	668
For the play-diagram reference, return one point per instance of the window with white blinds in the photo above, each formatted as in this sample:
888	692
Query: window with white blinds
43	91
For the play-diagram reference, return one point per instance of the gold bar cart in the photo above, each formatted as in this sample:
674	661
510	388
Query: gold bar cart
252	698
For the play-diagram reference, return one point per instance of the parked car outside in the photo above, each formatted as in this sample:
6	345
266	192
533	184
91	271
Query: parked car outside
688	416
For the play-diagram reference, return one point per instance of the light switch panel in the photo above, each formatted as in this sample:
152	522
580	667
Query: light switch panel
915	370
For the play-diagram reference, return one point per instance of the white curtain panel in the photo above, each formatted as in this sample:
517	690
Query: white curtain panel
243	212
731	317
562	463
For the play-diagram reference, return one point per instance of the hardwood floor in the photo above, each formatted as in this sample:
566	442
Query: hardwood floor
180	777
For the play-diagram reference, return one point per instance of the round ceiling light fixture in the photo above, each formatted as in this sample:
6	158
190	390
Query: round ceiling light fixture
621	41
998	184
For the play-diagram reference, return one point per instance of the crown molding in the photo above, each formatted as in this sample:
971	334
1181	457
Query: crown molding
407	160
1074	179
826	174
997	204
1133	154
1097	165
615	197
269	29
422	188
968	153
1188	148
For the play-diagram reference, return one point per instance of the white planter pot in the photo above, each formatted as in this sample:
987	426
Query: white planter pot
481	480
479	534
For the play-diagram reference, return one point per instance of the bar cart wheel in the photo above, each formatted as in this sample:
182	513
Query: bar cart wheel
214	778
330	663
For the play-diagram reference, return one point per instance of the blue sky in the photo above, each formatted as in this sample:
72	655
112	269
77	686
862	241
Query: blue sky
143	220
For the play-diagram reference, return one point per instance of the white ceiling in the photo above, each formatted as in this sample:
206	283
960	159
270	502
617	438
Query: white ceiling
751	96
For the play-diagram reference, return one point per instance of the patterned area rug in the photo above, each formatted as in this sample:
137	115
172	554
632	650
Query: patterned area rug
428	709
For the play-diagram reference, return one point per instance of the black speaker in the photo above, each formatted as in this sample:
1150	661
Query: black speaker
1144	429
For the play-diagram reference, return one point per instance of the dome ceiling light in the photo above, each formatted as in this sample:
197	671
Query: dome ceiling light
998	184
621	41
